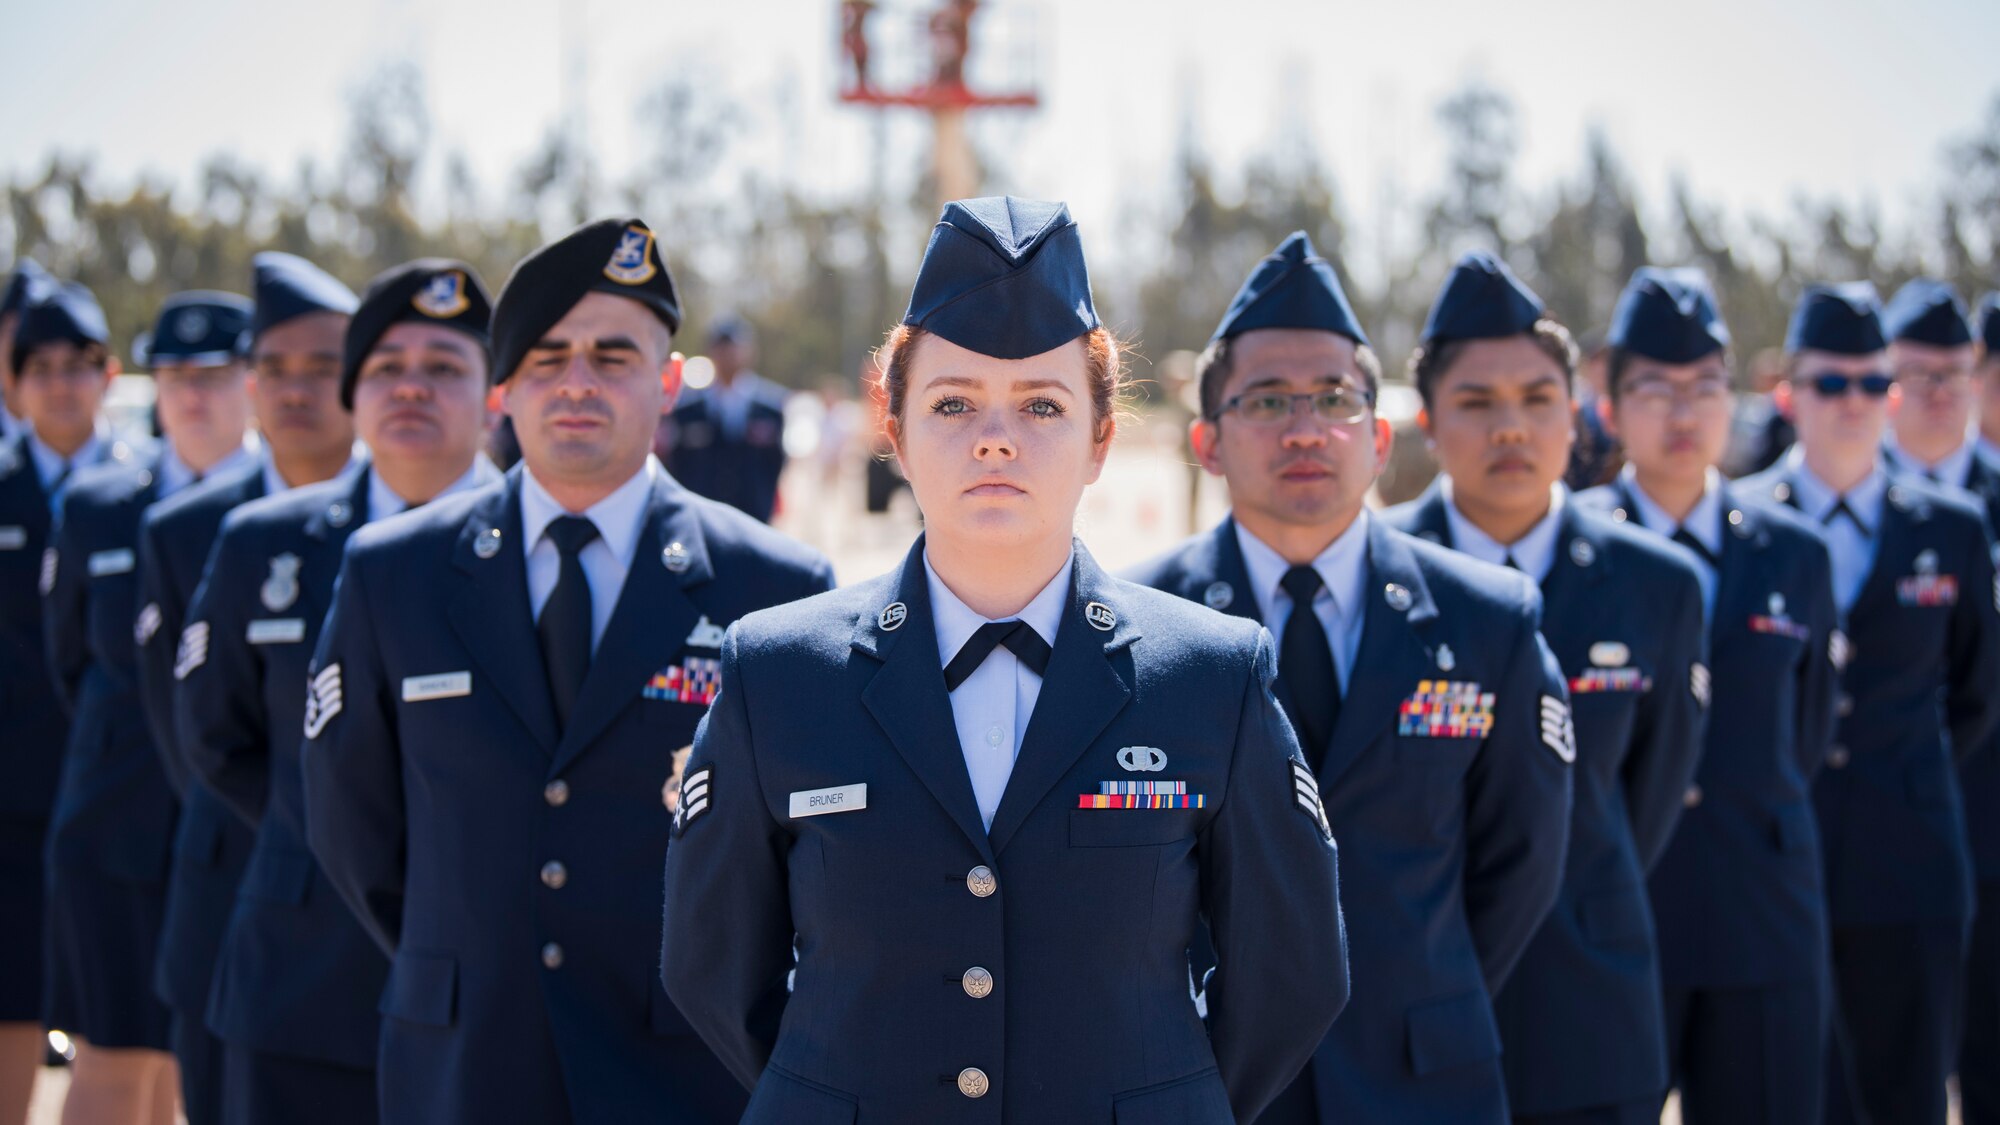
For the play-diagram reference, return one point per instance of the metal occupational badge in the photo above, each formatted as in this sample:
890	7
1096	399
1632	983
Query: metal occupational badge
281	589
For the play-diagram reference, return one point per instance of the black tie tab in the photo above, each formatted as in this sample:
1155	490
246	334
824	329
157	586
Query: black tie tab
1687	539
1840	509
564	628
1308	679
1020	639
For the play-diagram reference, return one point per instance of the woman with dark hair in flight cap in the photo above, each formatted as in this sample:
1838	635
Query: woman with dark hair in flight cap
946	835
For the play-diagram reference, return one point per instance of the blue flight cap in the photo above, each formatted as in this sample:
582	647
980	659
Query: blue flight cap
1020	263
29	281
287	286
66	313
1668	315
1292	288
1844	319
1482	300
1989	324
1926	311
201	327
729	328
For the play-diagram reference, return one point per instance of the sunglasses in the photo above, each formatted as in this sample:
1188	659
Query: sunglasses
1834	386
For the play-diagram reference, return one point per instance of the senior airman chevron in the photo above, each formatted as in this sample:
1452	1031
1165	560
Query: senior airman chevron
1305	789
193	651
1558	733
322	699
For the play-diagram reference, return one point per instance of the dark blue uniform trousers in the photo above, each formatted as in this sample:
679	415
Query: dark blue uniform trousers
1979	1051
1750	1055
1898	988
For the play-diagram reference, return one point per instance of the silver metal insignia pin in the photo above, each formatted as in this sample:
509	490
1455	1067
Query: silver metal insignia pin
1398	598
1777	605
339	513
281	589
1219	595
1581	552
1100	617
892	617
487	544
676	557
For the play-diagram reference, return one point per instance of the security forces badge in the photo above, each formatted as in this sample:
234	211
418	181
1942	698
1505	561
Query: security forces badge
281	589
632	259
443	296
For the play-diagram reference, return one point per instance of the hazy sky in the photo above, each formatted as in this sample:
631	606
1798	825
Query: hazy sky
1754	101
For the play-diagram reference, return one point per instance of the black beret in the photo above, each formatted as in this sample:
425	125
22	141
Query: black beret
1020	262
1482	300
1926	311
436	291
1844	319
199	327
616	256
286	286
60	312
1668	315
1292	288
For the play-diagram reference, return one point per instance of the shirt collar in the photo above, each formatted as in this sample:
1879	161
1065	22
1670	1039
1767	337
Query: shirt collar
1952	469
1704	520
275	482
175	474
1342	567
49	464
618	516
1534	553
1989	450
955	621
384	501
1816	498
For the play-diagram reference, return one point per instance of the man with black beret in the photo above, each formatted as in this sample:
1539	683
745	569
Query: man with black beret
1737	897
55	371
307	438
1914	580
492	713
726	440
115	819
297	978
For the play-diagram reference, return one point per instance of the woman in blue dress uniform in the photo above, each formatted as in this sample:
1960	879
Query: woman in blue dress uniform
945	836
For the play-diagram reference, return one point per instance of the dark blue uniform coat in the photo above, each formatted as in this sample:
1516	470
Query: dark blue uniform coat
1581	1018
210	845
1452	842
439	792
740	470
1081	917
113	825
297	975
33	729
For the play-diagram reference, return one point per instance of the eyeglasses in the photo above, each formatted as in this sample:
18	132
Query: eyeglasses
1830	385
1335	406
1655	396
1928	379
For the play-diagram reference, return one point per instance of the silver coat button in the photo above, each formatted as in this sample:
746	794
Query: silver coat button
972	1082
980	881
1692	797
554	875
978	983
556	793
1844	706
552	956
1836	757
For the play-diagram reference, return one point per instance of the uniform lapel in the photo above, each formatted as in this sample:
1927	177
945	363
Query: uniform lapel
490	611
1214	571
647	629
1894	543
1428	518
908	698
1088	683
1394	652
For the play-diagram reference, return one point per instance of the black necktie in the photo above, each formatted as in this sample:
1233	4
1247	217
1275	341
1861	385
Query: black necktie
1687	539
1306	670
1840	508
564	628
1510	563
1020	639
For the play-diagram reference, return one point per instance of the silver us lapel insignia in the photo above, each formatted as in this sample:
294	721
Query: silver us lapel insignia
281	589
